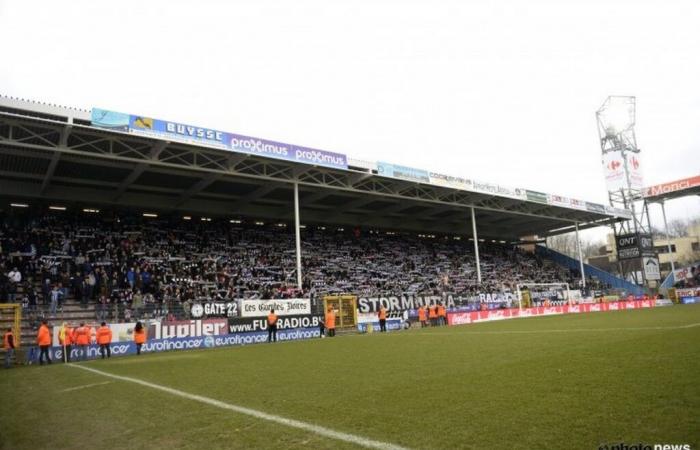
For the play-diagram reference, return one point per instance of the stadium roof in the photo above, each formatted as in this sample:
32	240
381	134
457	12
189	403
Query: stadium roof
673	189
50	153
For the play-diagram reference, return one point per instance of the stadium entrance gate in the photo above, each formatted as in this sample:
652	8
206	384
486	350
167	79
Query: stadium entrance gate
346	307
15	309
533	294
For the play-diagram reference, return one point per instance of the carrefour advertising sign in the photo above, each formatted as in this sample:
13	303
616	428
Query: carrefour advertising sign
190	134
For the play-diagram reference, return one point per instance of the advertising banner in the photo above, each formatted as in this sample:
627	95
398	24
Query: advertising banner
178	132
214	309
189	343
687	292
460	318
578	204
624	213
627	246
278	150
614	170
651	268
439	179
634	168
248	324
147	126
503	191
558	200
405	173
401	302
682	274
367	321
282	307
631	246
674	186
187	328
533	196
595	207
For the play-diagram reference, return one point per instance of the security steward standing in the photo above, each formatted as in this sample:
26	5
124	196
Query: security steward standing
104	338
422	317
8	343
272	326
82	339
382	319
330	321
66	338
43	340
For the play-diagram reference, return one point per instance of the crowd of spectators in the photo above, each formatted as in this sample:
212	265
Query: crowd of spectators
130	265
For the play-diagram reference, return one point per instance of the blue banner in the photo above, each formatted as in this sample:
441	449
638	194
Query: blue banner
391	325
188	343
173	131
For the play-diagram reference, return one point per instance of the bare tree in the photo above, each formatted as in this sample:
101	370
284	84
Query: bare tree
678	228
566	244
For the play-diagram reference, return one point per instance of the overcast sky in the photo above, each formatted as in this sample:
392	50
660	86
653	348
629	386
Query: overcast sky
504	92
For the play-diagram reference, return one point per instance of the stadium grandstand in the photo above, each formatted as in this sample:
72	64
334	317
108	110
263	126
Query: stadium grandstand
131	217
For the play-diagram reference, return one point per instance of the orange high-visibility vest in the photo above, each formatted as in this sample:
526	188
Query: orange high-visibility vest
421	314
44	336
382	313
442	312
82	336
67	336
6	340
104	335
140	336
432	312
272	319
330	320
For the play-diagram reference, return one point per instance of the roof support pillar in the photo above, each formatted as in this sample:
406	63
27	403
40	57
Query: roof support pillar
476	247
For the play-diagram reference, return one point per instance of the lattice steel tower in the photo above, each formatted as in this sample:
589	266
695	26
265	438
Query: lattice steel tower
616	121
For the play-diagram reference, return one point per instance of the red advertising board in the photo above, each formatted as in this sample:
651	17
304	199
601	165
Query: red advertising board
460	318
674	186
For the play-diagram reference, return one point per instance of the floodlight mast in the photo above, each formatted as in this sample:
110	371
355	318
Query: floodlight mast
616	121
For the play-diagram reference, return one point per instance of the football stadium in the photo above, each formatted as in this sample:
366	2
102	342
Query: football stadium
208	240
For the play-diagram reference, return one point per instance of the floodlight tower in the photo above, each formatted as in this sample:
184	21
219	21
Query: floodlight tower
620	154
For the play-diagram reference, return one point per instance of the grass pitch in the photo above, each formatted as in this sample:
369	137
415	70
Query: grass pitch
574	381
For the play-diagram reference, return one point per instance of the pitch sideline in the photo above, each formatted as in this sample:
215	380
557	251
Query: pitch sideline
317	429
84	386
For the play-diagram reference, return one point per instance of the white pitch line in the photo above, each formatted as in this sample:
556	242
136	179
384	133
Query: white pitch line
317	429
569	330
84	386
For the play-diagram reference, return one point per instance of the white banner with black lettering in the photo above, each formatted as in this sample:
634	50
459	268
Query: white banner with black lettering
282	307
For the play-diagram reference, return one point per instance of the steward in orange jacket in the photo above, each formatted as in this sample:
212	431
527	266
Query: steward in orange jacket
422	317
442	314
104	338
8	343
330	321
66	337
82	339
43	340
432	315
272	326
382	319
139	336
